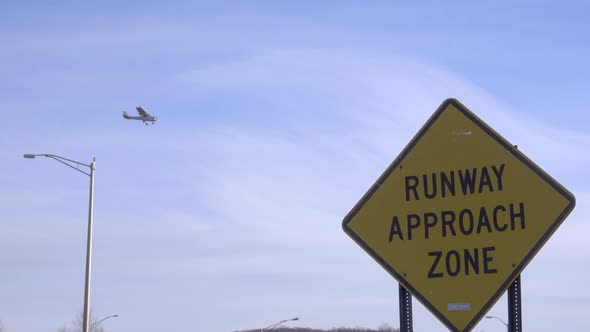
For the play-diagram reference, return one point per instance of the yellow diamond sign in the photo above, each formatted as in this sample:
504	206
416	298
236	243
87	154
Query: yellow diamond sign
458	215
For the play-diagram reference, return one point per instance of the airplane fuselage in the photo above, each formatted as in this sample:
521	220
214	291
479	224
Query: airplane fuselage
145	119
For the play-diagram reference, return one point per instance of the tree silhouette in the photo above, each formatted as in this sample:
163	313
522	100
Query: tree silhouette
78	322
382	328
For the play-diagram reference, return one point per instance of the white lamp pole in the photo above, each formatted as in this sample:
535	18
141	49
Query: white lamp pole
71	163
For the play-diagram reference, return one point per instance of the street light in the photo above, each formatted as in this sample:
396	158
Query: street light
498	318
95	324
71	163
277	324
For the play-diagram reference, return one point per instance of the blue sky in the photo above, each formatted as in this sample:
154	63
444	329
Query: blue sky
274	119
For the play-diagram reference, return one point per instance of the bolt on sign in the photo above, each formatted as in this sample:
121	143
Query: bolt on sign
458	215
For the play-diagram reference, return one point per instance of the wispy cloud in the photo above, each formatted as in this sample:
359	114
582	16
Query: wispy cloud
240	215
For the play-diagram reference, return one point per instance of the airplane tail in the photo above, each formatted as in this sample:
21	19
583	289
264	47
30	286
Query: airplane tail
125	115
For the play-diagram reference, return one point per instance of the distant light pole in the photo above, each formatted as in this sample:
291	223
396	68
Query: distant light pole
498	318
95	324
277	324
70	163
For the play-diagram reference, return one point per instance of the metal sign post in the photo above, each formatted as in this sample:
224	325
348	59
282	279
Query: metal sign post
405	310
515	307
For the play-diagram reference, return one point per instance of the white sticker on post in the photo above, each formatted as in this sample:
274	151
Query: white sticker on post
459	307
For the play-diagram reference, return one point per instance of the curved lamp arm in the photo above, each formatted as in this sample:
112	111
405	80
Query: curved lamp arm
270	327
498	318
65	161
95	324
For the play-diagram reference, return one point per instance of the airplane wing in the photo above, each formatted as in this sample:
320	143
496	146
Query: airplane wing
142	112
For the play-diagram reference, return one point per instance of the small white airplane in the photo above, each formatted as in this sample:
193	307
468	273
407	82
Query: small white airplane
143	116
